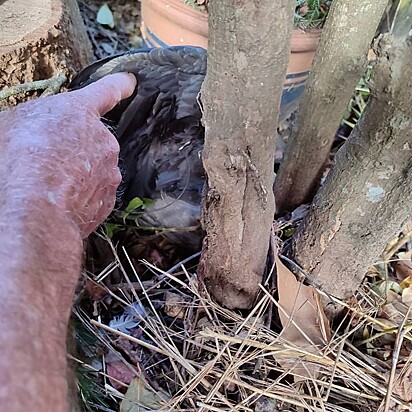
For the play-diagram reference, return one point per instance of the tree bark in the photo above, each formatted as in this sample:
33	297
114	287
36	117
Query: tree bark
367	197
40	38
247	64
339	63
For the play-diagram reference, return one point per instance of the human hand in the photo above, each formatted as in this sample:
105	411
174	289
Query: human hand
57	154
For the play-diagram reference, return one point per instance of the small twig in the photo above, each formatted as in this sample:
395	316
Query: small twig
132	285
334	370
55	84
396	246
372	362
403	330
383	333
183	262
50	86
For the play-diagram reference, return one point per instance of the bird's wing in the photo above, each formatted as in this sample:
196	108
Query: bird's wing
162	108
186	59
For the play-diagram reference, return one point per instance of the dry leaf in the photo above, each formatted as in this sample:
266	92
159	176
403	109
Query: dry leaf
390	312
402	309
95	291
403	385
403	269
175	305
391	295
140	397
407	282
309	328
407	296
371	56
119	371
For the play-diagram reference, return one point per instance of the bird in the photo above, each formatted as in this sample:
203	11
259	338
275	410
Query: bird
161	136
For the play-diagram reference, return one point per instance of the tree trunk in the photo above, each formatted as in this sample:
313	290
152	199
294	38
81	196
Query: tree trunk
340	62
246	68
40	38
367	196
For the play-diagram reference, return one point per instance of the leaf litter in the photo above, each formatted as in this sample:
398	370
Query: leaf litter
180	351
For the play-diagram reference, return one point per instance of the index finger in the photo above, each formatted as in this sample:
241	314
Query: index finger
104	94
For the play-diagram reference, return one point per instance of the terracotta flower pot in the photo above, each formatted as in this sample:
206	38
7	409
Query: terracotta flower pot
171	22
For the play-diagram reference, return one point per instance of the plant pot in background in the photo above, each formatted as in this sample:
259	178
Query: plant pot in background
171	22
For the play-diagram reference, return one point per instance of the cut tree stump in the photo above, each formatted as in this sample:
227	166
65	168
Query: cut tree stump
38	40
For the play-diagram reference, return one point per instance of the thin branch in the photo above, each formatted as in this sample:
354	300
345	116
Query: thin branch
50	86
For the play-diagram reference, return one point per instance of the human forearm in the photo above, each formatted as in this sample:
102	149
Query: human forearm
58	179
40	268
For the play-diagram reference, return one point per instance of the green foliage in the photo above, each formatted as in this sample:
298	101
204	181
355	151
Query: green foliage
358	102
91	392
197	5
134	206
310	14
121	219
90	385
111	228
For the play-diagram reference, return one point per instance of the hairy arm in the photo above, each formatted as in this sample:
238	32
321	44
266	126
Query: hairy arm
58	179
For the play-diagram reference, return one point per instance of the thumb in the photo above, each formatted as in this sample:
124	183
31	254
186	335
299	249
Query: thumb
104	94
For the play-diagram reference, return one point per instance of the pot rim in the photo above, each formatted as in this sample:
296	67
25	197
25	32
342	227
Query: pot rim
173	8
176	10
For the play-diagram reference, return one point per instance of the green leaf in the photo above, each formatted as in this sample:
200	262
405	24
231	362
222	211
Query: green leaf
351	125
147	202
111	229
383	287
105	16
135	203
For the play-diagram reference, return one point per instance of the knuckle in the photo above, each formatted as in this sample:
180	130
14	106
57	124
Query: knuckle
117	177
113	145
